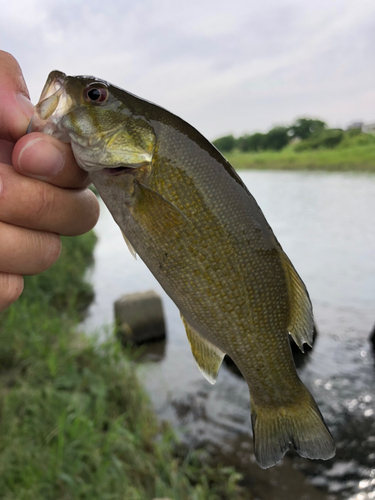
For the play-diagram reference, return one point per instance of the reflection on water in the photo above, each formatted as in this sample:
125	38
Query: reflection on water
325	223
153	352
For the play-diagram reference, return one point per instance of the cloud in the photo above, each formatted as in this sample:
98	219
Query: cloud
225	67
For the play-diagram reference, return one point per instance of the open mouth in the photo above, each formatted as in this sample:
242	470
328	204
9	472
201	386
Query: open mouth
53	104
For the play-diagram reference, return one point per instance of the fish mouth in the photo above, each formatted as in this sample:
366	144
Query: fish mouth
51	93
53	104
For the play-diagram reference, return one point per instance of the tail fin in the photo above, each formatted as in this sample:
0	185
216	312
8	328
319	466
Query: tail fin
301	425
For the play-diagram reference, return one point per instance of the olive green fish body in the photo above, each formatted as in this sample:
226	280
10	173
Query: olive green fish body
188	215
218	258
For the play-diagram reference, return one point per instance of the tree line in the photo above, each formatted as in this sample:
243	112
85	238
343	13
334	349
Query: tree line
307	133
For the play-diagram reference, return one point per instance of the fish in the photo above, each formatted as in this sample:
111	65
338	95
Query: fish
188	215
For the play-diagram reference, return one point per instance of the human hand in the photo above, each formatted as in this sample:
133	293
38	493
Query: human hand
42	195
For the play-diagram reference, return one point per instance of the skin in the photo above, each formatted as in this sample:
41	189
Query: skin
42	190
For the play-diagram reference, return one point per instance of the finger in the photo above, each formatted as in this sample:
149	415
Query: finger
38	205
24	251
15	106
11	287
44	157
6	149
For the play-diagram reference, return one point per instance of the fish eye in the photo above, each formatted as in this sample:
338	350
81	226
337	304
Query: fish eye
96	94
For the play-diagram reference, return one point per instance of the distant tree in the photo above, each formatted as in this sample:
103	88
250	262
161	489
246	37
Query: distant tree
328	138
225	144
353	131
305	127
253	142
332	137
277	138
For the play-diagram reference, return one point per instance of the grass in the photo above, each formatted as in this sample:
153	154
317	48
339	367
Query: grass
74	421
359	158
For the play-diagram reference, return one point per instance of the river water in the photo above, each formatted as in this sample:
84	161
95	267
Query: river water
326	224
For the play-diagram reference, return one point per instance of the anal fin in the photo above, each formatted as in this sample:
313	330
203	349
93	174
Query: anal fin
207	355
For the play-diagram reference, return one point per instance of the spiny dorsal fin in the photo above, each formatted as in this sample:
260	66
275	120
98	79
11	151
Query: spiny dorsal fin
130	246
301	321
208	356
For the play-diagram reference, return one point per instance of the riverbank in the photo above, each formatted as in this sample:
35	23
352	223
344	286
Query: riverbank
356	159
75	422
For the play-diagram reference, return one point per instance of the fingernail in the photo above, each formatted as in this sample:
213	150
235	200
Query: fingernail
25	105
40	159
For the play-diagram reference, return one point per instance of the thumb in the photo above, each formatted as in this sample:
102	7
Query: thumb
15	106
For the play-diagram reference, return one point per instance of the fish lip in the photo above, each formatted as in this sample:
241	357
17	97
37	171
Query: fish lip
31	125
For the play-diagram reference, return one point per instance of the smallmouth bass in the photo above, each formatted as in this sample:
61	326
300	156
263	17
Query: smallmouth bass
184	210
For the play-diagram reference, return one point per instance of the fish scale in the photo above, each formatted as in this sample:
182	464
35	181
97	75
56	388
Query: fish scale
185	211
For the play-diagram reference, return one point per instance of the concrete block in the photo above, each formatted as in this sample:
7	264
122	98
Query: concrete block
139	318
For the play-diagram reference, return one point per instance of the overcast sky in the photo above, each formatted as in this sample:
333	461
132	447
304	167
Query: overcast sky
226	67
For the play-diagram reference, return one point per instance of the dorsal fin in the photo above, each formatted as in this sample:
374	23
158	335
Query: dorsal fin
208	356
301	321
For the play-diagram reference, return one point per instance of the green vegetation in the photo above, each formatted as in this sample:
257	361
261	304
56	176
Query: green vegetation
226	143
303	128
359	158
75	424
306	145
275	139
329	138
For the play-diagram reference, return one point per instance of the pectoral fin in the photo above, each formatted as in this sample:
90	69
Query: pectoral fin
208	356
157	207
301	321
130	246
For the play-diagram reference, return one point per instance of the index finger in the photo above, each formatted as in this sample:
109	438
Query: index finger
15	106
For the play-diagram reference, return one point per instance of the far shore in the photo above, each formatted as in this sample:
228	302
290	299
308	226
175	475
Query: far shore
355	159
